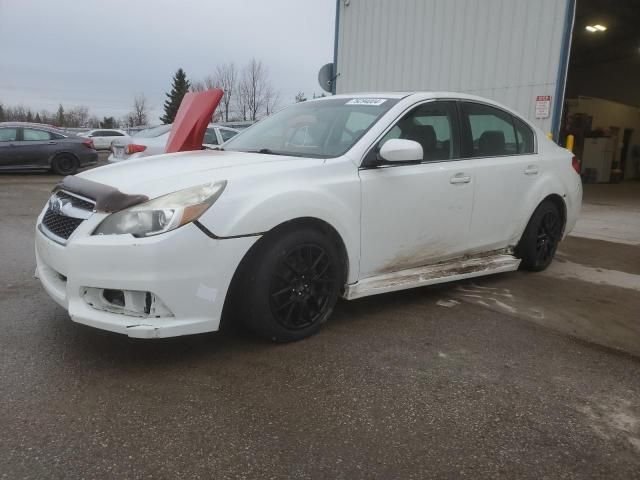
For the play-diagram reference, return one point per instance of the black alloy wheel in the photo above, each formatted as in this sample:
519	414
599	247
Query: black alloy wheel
548	237
64	164
288	284
539	242
302	287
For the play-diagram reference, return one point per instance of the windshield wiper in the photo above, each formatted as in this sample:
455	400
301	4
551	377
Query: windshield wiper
266	151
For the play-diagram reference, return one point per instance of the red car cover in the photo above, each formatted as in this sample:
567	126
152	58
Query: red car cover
190	124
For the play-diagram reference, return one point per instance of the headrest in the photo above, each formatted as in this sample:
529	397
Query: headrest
425	135
492	142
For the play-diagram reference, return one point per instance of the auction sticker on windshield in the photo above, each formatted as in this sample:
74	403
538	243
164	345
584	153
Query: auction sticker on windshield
366	101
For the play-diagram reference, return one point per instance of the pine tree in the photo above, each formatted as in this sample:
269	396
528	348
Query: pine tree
179	88
60	116
1	113
38	119
29	116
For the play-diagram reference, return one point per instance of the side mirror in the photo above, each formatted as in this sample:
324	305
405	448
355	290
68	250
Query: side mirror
400	150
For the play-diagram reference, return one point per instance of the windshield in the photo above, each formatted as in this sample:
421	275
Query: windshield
153	132
322	129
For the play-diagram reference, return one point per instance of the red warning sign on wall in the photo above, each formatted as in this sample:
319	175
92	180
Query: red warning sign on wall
543	106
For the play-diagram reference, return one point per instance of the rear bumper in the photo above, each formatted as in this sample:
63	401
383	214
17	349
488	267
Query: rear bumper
186	270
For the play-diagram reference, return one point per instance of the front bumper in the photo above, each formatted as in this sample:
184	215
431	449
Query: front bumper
185	269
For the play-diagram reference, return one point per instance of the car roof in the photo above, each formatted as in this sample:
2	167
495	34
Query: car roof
41	126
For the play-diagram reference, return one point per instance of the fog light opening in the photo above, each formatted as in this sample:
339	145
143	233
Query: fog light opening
134	303
114	297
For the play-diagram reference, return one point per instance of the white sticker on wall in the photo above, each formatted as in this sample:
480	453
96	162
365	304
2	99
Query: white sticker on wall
207	293
374	102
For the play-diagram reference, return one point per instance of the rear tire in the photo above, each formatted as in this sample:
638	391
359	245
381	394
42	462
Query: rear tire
64	164
288	286
540	239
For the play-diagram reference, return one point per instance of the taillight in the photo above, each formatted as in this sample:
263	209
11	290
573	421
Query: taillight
575	163
133	148
88	143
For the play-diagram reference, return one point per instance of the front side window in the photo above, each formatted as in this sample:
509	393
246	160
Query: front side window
490	132
432	125
318	128
31	135
8	134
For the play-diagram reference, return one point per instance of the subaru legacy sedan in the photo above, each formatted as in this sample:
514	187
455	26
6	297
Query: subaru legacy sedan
346	196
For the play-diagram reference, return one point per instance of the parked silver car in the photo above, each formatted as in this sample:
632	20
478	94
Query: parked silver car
153	141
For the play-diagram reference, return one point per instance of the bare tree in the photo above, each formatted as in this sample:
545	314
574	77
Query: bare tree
252	90
226	79
208	83
271	100
140	113
300	97
77	116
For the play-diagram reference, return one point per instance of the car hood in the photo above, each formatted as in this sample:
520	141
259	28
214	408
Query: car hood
158	175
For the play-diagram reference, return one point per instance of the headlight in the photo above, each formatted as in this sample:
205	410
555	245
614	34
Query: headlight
162	214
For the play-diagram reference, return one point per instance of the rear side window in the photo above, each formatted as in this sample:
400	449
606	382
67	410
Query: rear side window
489	131
31	135
524	136
227	134
210	137
8	134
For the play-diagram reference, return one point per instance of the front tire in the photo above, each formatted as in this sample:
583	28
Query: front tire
540	240
64	164
289	285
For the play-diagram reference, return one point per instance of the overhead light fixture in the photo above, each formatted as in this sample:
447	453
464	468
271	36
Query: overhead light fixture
596	28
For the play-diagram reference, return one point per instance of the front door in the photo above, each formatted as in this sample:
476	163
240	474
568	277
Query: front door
35	148
418	213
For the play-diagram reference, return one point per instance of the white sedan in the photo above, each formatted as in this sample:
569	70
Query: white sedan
153	141
346	196
103	137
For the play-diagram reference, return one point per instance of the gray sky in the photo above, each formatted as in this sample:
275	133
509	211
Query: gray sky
101	53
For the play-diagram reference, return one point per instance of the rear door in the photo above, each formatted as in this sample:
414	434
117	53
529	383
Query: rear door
8	147
502	149
417	213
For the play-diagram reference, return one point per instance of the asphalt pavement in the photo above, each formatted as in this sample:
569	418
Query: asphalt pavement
514	376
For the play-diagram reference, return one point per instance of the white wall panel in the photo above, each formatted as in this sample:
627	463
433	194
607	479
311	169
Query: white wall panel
507	50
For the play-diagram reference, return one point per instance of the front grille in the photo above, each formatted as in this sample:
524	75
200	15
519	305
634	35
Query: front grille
60	225
76	201
64	213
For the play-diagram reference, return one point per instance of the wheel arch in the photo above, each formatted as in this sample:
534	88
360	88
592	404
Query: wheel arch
62	152
295	223
560	204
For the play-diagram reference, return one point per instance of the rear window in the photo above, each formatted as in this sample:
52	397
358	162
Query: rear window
32	135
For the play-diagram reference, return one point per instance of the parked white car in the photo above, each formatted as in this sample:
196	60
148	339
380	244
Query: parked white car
350	195
154	140
103	137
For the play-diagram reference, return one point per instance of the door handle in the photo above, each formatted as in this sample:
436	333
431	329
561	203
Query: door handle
460	178
52	143
531	170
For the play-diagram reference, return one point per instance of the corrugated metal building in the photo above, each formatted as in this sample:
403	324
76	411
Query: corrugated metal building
509	50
